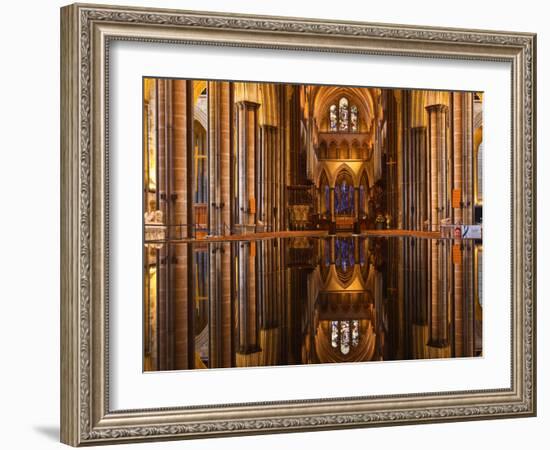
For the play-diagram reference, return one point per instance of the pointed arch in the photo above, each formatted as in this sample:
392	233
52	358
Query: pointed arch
344	192
344	260
323	97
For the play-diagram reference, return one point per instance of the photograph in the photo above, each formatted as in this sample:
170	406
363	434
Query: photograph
294	224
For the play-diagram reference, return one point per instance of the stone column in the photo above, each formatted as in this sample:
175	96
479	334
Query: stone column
219	151
437	135
269	175
468	155
458	173
220	314
437	129
247	142
420	181
166	199
468	218
438	331
247	342
422	250
182	181
468	298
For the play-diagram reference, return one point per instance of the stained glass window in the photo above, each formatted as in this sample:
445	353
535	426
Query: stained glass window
354	333
343	198
344	337
343	117
344	253
353	118
343	114
334	333
333	116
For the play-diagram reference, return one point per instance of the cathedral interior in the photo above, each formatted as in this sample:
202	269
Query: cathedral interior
290	224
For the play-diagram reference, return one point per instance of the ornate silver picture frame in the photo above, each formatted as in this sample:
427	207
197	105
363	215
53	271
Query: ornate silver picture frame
87	33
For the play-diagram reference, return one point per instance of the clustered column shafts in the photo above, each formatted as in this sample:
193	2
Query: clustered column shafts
165	185
170	130
247	143
180	97
458	175
462	103
269	186
437	132
247	320
437	129
468	218
219	151
417	258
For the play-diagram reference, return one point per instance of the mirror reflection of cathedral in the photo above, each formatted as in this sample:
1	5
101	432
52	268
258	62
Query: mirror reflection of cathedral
324	164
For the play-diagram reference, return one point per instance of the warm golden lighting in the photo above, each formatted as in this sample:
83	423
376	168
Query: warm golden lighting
289	224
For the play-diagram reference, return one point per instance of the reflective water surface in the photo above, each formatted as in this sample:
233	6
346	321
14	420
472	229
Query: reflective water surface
311	300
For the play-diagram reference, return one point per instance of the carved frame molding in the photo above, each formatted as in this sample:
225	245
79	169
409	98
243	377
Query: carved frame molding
86	33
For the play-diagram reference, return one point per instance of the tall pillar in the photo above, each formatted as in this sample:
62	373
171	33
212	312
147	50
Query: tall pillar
438	327
469	299
182	179
247	143
468	218
468	155
189	119
219	151
247	334
437	129
269	176
458	187
166	199
437	138
420	177
281	161
220	309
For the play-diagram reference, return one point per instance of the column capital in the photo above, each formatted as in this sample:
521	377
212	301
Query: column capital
420	127
247	104
439	107
265	126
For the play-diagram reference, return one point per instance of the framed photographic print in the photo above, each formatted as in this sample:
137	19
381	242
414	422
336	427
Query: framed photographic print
275	224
